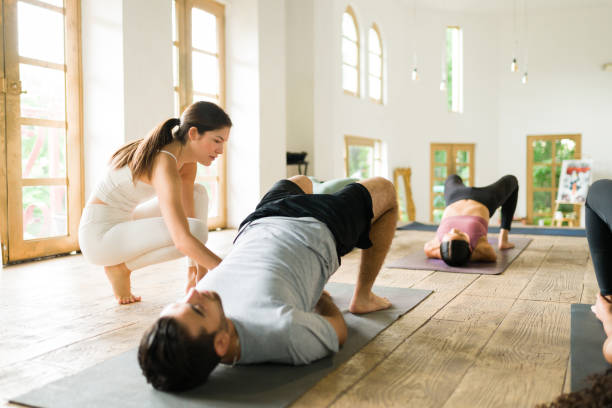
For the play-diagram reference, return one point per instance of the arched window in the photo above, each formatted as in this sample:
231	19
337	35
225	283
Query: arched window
375	64
350	53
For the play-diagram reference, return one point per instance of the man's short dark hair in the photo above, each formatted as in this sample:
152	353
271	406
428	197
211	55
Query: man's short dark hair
172	360
455	252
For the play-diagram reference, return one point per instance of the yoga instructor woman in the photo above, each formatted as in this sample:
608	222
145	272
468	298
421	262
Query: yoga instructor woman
462	234
147	208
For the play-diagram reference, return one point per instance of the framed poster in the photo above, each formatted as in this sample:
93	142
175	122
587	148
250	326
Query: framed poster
574	181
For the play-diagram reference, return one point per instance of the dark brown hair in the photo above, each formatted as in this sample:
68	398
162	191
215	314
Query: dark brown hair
172	360
598	394
139	155
455	252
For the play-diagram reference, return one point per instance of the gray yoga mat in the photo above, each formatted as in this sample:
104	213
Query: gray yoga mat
418	260
118	382
586	341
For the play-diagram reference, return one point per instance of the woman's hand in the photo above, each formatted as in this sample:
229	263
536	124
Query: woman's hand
432	249
484	251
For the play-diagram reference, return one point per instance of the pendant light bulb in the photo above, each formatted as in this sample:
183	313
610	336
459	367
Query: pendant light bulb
524	78
514	65
415	74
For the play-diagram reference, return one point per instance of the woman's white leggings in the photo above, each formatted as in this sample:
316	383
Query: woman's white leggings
110	236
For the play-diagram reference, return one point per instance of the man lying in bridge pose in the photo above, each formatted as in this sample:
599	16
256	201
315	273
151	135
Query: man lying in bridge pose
274	307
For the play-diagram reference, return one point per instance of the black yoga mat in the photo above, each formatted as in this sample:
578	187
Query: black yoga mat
571	232
118	382
418	260
586	341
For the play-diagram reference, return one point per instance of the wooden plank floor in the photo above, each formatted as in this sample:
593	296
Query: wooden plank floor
486	341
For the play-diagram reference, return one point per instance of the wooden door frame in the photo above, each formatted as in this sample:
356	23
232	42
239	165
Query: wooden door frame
451	149
577	138
3	167
185	85
18	249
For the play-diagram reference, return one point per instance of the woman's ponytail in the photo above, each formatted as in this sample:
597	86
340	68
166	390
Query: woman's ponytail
139	155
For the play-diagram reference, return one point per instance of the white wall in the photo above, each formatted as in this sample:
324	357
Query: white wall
127	76
322	158
255	34
103	87
147	59
272	95
300	78
242	68
425	111
568	92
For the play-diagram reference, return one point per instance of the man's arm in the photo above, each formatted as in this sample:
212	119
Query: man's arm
330	312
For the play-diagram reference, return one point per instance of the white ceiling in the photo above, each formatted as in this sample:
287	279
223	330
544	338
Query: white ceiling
503	6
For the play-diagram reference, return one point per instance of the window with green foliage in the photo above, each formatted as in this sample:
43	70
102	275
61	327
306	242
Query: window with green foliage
363	157
545	155
454	69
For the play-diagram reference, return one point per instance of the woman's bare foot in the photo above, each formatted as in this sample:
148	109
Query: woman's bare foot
502	241
119	277
368	303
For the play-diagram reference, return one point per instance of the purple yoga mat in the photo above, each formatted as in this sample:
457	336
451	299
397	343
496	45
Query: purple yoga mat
418	260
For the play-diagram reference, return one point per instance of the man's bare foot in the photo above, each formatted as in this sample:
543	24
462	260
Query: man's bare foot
506	245
119	277
369	303
192	278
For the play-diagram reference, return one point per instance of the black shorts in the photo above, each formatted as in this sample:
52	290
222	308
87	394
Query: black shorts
347	213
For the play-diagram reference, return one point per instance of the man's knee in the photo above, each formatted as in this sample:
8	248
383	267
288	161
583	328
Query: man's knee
382	192
386	186
303	182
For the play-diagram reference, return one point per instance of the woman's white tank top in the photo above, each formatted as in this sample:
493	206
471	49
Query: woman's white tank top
118	190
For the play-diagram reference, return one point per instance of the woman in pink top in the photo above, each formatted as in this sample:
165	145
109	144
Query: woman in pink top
462	234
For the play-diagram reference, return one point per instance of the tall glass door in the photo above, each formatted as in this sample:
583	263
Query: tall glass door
42	96
447	159
199	75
